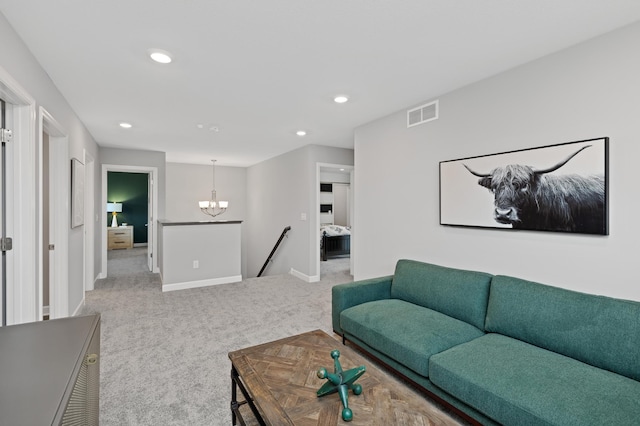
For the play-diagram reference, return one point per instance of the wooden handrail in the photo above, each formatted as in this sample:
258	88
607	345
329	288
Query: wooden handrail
284	232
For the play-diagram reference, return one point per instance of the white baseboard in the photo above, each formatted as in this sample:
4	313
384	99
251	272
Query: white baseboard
78	308
201	283
305	277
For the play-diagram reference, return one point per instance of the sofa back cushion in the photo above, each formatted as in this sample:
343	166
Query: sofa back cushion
458	293
597	330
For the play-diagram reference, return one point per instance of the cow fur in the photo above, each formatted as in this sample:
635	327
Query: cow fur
570	203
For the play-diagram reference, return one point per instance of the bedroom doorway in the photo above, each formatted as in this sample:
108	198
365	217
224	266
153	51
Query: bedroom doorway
147	224
333	231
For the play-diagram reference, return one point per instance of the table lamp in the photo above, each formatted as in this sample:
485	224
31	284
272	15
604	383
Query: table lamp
114	209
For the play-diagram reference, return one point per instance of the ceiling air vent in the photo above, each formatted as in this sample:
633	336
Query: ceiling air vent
422	114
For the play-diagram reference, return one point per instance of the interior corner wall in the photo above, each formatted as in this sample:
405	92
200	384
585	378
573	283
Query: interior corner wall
589	90
279	191
277	194
19	62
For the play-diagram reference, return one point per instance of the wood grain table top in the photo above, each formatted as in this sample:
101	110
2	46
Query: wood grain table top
281	378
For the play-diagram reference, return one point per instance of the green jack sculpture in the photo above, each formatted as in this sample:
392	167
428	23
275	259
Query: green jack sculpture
341	381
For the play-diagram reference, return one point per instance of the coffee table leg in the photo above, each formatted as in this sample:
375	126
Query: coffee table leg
234	394
235	405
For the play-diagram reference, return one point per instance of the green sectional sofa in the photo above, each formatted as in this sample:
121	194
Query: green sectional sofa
500	349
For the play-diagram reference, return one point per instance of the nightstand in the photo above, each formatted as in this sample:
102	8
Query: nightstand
120	237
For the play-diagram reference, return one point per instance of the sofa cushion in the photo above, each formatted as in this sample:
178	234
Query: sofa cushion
598	330
346	295
457	293
405	332
517	383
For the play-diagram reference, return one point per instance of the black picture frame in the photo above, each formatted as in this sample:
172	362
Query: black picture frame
553	188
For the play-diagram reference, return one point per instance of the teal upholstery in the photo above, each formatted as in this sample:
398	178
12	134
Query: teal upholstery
406	332
454	292
517	383
422	381
600	331
351	294
552	356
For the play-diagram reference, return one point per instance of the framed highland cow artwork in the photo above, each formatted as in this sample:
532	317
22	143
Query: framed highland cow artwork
558	188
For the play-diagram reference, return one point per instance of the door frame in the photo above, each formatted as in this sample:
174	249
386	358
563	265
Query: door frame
22	277
89	222
59	170
153	243
315	250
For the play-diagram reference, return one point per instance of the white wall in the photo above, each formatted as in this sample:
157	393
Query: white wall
333	177
133	157
215	247
18	61
587	91
341	213
189	183
279	190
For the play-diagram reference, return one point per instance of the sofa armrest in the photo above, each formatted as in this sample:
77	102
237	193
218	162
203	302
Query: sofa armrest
344	296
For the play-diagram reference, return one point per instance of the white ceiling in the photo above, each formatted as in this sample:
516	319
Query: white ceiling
260	70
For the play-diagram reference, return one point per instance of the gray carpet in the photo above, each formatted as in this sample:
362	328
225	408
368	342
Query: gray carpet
164	355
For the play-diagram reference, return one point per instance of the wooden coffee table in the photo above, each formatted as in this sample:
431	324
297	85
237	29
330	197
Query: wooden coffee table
279	382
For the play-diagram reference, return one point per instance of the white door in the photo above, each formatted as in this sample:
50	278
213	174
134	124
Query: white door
48	257
3	226
19	191
89	222
150	221
54	172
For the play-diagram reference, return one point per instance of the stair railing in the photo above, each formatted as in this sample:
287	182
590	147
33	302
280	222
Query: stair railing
284	232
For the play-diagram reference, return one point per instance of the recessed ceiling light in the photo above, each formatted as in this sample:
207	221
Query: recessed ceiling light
125	125
200	126
160	56
340	99
301	133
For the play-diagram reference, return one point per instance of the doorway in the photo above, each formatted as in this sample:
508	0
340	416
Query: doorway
151	174
129	190
334	206
53	289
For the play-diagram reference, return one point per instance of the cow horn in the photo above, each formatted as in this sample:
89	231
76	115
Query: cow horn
476	173
560	164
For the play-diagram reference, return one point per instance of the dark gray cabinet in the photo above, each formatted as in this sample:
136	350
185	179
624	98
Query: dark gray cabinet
50	372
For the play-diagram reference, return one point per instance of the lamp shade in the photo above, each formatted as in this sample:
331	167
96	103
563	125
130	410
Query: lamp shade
114	207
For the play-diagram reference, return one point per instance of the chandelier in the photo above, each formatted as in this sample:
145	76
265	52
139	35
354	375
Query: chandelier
213	207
